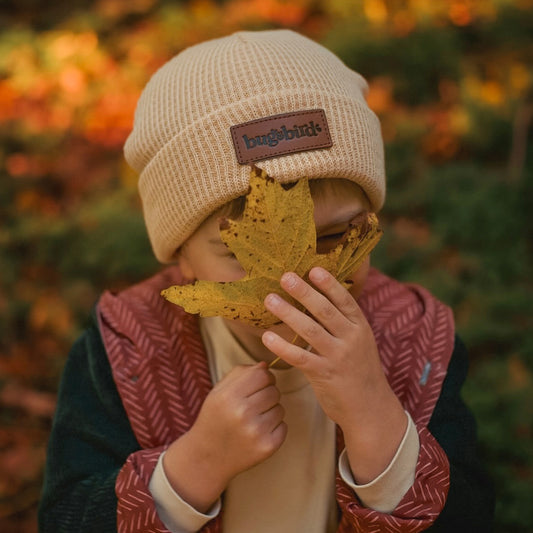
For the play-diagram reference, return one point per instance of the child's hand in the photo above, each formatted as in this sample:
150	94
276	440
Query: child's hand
242	418
240	425
343	367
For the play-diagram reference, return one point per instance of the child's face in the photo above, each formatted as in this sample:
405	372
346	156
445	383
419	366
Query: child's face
205	257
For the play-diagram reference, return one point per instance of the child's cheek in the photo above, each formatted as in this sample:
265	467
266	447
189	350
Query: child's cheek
238	272
358	279
230	270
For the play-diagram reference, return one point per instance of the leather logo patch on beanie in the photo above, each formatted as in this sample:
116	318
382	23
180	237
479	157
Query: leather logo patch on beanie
298	131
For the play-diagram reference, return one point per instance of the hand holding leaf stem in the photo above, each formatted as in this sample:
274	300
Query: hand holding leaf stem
240	425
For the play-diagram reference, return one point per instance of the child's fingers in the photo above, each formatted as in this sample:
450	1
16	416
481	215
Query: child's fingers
319	305
248	379
277	436
263	400
303	325
273	417
290	353
337	294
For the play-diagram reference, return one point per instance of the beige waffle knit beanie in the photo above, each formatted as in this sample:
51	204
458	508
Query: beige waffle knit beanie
272	98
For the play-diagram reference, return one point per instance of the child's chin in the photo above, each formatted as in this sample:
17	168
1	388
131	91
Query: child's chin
281	329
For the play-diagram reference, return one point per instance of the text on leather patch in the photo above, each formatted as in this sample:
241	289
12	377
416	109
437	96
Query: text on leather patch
267	137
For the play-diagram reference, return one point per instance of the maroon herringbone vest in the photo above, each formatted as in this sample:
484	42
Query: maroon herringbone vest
160	369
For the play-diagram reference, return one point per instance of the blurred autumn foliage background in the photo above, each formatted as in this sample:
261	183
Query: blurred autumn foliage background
452	81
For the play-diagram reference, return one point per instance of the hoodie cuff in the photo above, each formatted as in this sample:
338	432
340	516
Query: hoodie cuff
385	492
177	515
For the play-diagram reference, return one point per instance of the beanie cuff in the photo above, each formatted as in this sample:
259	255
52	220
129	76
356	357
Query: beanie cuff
197	171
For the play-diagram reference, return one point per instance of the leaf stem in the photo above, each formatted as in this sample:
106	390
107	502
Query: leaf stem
272	363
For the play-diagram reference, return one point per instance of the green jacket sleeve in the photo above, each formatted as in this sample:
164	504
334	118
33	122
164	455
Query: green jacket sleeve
90	441
470	502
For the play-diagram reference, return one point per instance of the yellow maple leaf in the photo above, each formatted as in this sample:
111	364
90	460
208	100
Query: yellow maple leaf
276	234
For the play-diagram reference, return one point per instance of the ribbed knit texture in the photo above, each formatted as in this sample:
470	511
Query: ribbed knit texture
181	143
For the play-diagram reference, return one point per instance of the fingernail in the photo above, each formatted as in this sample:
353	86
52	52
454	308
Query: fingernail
273	300
289	280
317	274
268	337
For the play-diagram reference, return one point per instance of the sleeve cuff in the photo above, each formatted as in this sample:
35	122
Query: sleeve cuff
177	515
385	492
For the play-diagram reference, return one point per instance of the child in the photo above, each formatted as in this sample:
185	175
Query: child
360	427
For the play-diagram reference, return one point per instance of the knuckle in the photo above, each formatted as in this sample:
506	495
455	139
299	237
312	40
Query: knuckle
348	300
304	290
352	317
267	447
263	377
326	312
219	396
272	394
252	432
349	306
327	374
302	358
270	444
311	330
240	414
279	434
